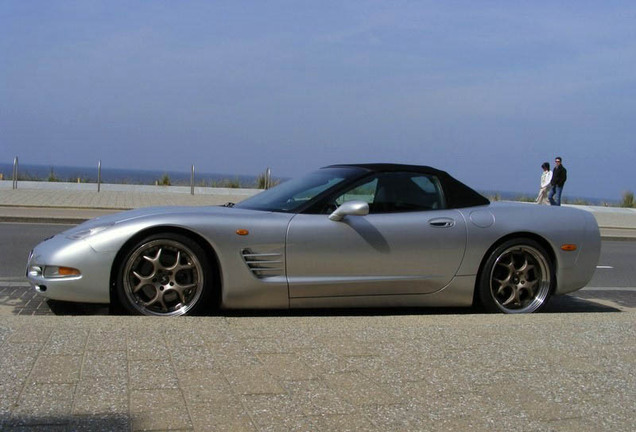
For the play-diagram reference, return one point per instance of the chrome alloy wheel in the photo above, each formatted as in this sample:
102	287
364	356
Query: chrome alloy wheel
520	279
163	277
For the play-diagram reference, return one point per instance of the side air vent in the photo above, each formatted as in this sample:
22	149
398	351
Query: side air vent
263	265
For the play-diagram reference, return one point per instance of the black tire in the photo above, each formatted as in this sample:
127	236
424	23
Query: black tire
165	275
517	277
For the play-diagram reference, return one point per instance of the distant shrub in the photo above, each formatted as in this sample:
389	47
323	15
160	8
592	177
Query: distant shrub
233	184
226	183
580	201
165	180
26	176
261	181
52	177
628	199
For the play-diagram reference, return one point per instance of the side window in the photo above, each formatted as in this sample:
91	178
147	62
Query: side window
395	192
426	183
403	192
364	192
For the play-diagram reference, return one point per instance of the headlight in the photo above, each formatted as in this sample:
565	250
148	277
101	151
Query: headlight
52	272
87	232
34	271
60	272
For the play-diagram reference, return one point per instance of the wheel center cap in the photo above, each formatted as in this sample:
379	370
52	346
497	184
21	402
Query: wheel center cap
164	278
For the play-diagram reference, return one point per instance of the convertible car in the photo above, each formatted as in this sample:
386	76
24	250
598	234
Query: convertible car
366	235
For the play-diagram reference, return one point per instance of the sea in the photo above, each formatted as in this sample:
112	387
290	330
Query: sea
182	178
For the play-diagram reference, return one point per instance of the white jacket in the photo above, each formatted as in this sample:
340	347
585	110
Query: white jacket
546	178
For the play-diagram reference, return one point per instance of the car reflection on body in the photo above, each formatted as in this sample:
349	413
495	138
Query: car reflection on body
366	235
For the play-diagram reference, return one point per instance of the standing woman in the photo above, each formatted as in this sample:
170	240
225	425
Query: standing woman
546	178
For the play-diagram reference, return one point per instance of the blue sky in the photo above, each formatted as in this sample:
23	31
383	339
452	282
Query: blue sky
486	90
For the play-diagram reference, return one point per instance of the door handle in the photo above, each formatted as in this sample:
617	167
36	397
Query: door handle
442	223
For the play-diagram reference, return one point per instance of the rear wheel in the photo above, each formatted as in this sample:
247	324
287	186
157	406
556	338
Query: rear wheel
517	277
165	275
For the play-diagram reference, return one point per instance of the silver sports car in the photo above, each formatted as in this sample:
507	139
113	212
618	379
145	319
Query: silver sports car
370	235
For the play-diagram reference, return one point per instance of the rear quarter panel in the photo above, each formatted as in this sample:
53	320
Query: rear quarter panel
552	225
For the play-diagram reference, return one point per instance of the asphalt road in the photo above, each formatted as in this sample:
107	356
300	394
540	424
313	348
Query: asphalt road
17	240
616	265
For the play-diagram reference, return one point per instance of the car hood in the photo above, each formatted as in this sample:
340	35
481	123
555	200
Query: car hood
171	212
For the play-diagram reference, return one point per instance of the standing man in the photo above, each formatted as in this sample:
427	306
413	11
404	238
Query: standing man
559	176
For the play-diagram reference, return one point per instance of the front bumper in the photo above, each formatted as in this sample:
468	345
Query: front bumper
90	286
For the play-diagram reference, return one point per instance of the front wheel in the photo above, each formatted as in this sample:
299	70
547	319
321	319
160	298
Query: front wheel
164	275
518	277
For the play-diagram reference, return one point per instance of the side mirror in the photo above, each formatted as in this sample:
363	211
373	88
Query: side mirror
350	208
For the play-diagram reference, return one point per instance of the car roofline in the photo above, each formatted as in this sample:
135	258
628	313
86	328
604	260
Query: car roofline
389	167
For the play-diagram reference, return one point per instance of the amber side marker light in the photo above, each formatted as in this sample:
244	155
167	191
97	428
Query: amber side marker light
242	232
568	247
68	271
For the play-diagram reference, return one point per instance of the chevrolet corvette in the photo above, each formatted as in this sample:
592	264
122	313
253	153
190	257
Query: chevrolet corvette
363	235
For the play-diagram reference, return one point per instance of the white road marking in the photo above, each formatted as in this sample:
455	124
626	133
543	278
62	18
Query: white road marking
12	284
626	289
604	267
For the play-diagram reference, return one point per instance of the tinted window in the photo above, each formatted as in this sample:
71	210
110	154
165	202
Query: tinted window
392	192
365	192
294	194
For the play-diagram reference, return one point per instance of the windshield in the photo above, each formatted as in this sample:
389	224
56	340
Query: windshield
293	194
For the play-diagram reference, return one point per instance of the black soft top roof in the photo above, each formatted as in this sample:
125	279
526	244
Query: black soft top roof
457	194
390	167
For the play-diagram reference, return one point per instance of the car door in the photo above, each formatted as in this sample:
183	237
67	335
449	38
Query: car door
408	243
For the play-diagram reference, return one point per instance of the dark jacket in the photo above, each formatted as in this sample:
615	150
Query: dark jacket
559	176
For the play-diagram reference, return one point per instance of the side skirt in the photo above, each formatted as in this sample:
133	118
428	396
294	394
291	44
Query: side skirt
458	293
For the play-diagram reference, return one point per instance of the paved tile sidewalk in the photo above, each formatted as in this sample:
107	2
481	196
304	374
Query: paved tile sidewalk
319	373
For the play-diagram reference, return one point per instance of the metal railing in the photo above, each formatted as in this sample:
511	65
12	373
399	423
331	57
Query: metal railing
15	173
192	181
267	181
268	178
99	176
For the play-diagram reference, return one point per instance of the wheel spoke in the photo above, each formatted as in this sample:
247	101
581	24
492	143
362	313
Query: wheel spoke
181	290
143	281
526	267
157	299
154	260
511	297
531	286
